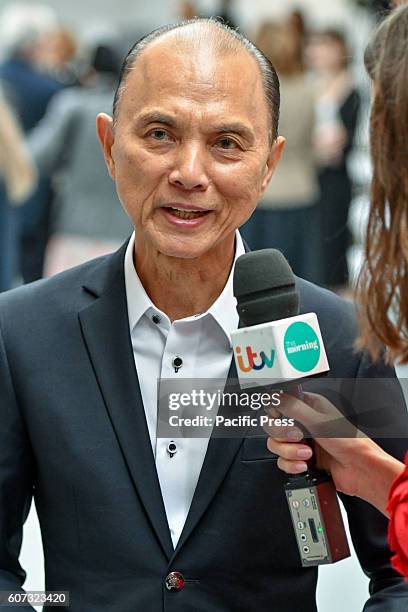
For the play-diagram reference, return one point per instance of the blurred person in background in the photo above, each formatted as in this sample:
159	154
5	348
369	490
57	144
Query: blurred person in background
225	13
59	56
296	21
18	179
187	10
86	219
287	216
337	107
380	8
358	466
23	28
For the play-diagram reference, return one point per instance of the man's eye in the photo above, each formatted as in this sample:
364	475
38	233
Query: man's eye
159	134
227	143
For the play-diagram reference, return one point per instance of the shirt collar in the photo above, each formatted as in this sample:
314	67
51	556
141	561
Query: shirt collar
138	301
223	310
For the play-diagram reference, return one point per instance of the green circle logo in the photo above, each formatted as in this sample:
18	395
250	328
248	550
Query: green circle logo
302	346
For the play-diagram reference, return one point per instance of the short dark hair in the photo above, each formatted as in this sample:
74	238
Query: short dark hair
268	73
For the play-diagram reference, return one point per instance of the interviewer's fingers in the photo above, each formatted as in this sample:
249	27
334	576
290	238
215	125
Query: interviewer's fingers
284	433
292	456
291	467
280	428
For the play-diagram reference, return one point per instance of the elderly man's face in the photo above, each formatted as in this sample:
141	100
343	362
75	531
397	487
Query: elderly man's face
190	151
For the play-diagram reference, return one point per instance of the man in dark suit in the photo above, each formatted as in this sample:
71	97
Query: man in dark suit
129	521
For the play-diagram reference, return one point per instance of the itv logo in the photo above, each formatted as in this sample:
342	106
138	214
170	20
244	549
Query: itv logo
265	361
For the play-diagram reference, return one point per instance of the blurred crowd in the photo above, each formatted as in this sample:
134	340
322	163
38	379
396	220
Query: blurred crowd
65	211
304	211
58	206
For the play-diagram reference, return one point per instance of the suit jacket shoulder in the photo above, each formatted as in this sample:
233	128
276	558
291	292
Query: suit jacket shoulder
62	294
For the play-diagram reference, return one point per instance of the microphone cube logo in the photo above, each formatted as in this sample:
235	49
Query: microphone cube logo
302	346
286	349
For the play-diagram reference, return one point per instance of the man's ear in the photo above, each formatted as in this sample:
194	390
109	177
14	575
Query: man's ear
272	161
106	136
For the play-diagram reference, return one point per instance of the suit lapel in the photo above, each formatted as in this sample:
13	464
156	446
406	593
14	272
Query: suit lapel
105	330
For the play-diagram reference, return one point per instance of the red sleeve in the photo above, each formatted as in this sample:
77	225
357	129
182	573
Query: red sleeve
398	525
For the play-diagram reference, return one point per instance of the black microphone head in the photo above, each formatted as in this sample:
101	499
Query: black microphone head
265	287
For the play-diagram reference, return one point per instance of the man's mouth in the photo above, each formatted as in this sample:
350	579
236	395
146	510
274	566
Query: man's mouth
187	214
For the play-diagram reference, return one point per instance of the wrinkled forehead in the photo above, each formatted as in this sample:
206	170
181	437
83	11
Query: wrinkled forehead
197	71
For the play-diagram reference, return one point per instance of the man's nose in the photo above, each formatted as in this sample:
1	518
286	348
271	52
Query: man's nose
189	169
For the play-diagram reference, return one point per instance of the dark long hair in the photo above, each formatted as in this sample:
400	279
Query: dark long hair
382	291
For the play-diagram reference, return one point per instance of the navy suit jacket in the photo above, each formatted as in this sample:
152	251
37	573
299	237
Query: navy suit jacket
73	435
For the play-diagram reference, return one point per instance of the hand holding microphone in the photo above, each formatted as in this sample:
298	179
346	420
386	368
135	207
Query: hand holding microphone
357	465
333	454
279	347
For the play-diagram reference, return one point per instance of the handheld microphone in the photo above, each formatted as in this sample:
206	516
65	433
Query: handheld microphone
276	343
279	345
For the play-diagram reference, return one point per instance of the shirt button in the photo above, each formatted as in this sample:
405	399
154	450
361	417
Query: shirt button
177	363
171	448
156	319
175	582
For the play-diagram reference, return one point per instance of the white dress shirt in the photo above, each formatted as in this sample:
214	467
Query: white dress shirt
203	342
